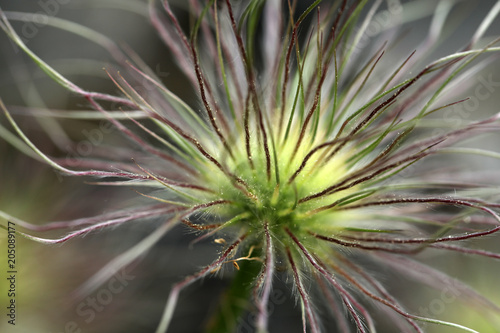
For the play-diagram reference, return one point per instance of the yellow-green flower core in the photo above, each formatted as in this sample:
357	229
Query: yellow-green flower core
275	200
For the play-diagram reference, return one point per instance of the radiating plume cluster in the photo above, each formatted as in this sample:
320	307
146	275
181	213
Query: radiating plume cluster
318	144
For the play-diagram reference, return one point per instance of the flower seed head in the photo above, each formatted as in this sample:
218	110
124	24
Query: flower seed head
313	149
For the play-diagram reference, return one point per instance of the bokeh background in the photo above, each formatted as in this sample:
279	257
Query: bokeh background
31	191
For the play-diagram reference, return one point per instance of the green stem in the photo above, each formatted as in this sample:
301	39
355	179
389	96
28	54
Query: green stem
237	298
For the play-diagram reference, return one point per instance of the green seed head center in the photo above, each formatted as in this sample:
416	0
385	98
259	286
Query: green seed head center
275	199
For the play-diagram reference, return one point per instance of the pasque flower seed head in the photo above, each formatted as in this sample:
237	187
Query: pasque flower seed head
315	146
